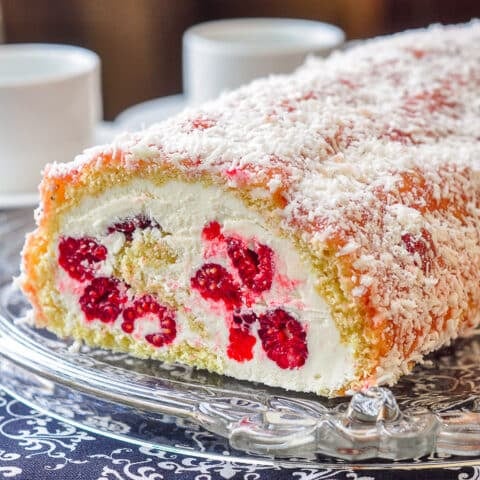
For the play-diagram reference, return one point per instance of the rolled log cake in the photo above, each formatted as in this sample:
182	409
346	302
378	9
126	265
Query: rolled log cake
317	232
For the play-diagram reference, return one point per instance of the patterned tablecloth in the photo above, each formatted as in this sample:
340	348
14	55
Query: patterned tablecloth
34	446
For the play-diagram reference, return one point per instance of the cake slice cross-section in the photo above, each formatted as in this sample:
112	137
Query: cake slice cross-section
317	232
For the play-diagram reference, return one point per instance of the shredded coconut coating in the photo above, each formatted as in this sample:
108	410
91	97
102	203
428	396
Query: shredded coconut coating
374	152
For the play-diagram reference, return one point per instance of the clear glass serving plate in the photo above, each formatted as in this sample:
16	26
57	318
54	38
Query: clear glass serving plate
430	419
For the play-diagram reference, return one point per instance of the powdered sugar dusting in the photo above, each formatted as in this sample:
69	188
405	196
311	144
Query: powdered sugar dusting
378	152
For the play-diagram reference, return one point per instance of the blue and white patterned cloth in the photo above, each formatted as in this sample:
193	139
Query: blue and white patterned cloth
34	446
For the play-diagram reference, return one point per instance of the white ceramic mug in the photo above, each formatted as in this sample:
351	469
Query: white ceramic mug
225	54
50	103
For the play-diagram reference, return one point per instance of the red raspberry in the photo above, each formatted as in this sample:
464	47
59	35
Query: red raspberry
244	321
79	256
423	246
283	339
129	225
241	345
103	299
148	305
255	267
211	231
214	282
241	342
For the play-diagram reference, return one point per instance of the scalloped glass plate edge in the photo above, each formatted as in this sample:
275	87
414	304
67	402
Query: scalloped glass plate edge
5	364
370	426
289	464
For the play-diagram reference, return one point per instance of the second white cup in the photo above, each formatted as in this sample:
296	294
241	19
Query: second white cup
224	54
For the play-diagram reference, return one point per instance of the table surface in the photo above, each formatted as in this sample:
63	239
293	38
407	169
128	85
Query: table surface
35	446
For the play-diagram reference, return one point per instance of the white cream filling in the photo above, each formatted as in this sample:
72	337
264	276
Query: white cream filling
183	209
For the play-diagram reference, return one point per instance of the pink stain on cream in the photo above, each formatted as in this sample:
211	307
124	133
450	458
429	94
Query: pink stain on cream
66	284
